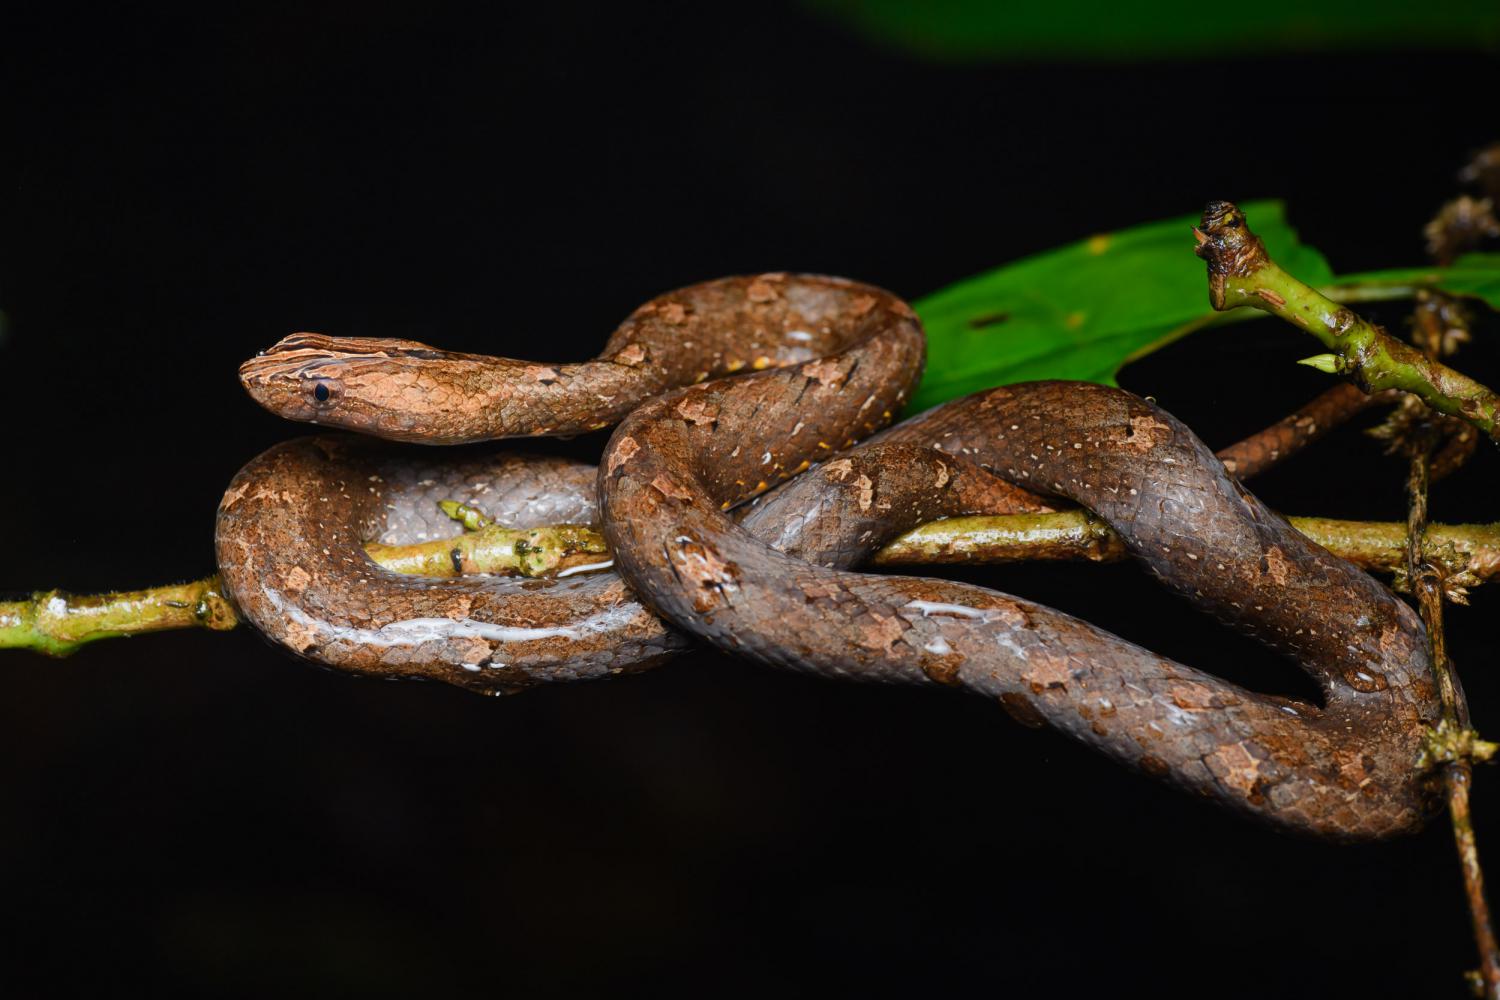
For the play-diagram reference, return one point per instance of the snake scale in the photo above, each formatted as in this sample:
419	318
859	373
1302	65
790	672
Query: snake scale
737	509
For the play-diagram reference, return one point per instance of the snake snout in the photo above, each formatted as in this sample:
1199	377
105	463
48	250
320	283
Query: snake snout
276	377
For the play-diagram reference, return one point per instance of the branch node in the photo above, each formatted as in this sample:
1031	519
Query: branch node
1450	743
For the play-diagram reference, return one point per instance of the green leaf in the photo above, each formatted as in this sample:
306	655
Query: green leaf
972	30
1475	275
1082	311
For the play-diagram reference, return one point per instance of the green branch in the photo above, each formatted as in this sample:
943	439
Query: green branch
1240	273
1466	554
489	548
58	623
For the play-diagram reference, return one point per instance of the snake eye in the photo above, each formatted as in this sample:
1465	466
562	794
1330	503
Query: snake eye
323	390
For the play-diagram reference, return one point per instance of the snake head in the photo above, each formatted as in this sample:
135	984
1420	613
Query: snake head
377	386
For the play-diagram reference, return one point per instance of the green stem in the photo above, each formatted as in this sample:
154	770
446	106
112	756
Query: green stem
1468	554
488	548
1355	289
1240	273
58	623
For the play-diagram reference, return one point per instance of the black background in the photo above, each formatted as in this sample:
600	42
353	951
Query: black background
201	811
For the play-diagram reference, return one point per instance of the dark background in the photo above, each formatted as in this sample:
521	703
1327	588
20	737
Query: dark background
198	810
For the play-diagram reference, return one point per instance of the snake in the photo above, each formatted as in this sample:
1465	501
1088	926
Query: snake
738	509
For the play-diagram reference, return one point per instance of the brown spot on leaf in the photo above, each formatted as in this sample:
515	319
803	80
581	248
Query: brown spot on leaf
988	319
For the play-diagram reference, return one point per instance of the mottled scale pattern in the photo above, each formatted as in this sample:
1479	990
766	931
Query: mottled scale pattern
290	545
292	526
1344	769
405	390
713	527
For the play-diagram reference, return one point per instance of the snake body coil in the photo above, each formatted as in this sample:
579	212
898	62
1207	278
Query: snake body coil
840	358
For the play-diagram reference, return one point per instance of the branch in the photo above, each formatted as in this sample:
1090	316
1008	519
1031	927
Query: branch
58	623
1468	554
488	548
1258	452
1452	745
1240	273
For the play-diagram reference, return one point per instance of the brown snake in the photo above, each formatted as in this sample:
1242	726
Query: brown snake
839	358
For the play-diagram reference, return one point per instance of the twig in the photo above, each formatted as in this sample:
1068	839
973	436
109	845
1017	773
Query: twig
488	548
1354	290
1240	273
1452	744
1468	554
1460	225
1292	433
1484	170
58	623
